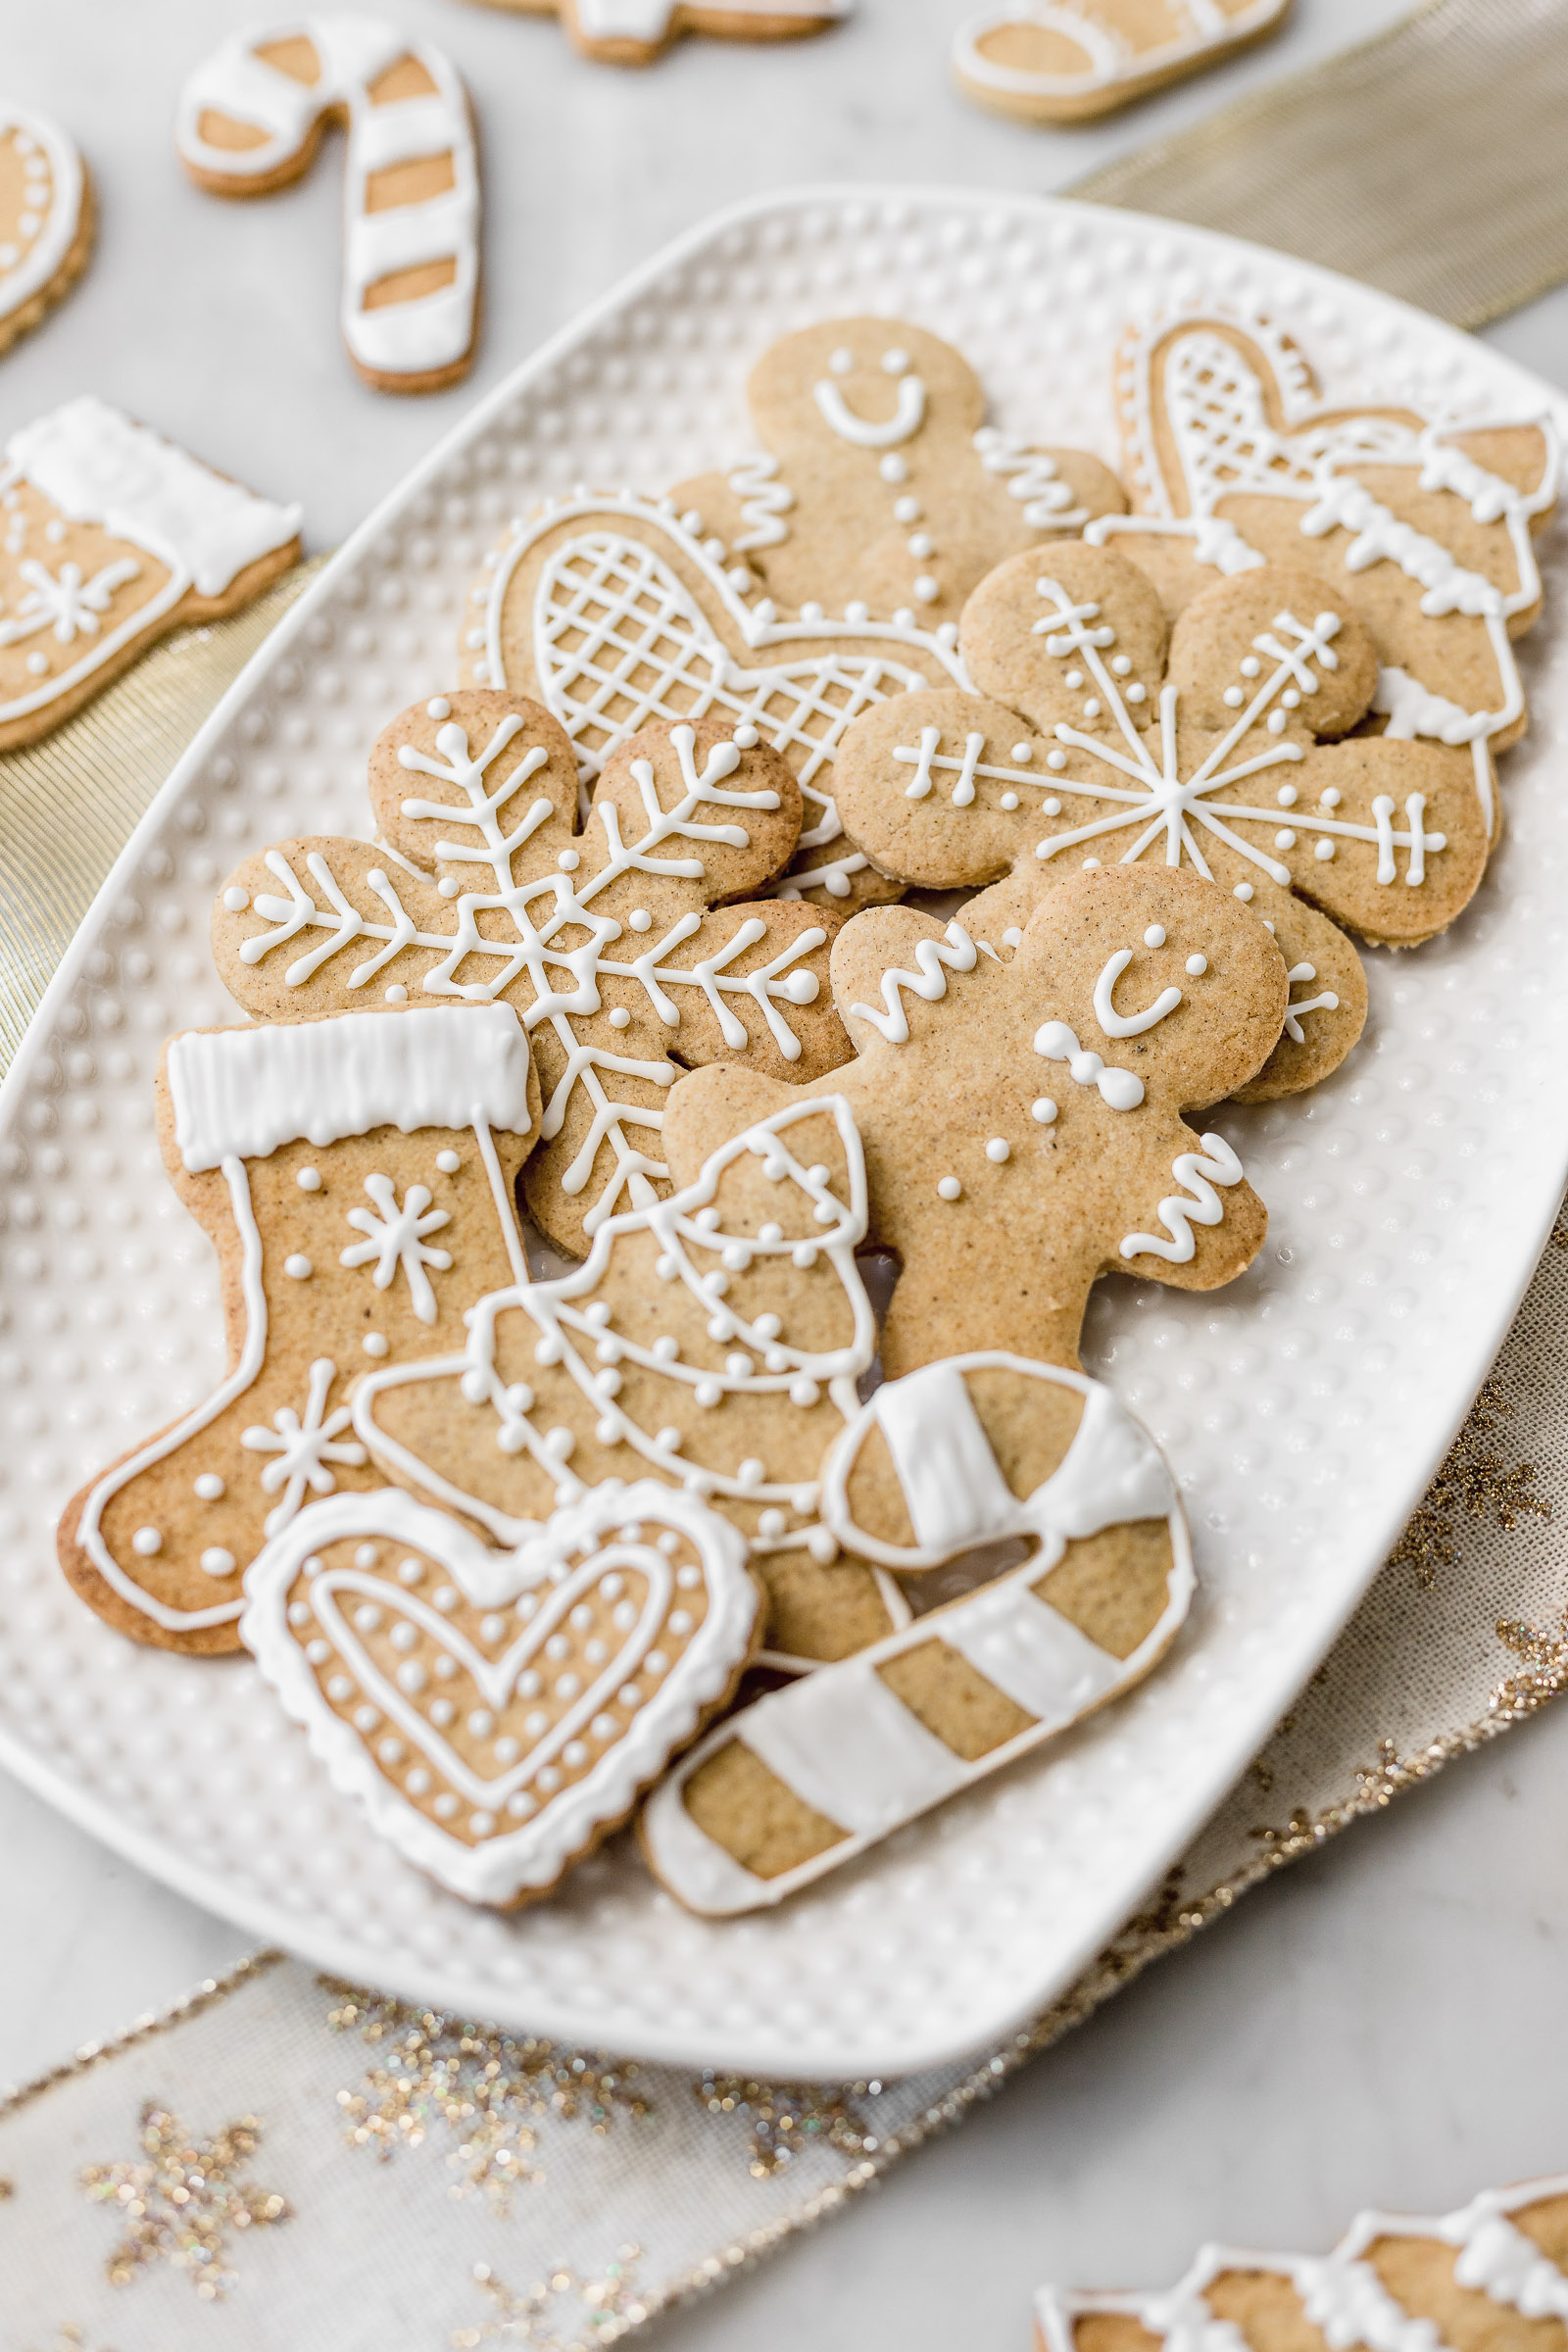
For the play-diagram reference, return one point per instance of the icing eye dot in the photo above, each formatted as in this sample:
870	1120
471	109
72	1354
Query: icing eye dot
1022	753
1234	698
297	1267
893	469
218	1562
236	900
309	1179
438	708
397	993
842	360
1324	850
1250	666
895	362
1242	891
948	1187
209	1488
620	1017
998	1148
1329	798
1155	936
1045	1110
1197	965
147	1540
374	1343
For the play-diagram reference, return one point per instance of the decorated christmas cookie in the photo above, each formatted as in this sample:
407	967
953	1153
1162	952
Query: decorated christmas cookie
251	119
499	1712
1425	522
633	32
1063	61
1099	737
46	218
356	1176
621	946
978	1450
109	538
1493	2274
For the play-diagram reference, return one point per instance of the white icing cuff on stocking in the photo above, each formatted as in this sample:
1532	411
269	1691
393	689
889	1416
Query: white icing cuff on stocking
97	467
240	1093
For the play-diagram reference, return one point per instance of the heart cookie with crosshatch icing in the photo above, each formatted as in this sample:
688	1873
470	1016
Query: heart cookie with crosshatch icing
497	1713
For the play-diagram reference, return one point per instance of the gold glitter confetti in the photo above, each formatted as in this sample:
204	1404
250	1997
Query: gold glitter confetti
488	2089
786	2119
1473	1479
179	2203
598	2311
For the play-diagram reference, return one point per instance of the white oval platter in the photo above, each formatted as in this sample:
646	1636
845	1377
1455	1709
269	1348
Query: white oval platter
1304	1410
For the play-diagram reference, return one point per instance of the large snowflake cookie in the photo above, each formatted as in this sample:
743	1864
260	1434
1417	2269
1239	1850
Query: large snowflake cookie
46	218
110	537
1223	746
633	32
1495	2274
1063	61
251	119
356	1176
622	945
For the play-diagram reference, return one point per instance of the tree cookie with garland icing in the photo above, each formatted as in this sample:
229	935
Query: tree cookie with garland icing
251	118
110	537
46	218
1068	60
356	1176
1493	2274
633	32
628	948
1225	746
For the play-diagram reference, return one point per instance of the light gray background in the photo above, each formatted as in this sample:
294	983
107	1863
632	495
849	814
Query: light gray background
1381	2024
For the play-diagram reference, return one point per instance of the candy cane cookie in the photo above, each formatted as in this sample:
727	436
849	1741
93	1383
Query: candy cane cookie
1065	61
251	119
46	218
633	32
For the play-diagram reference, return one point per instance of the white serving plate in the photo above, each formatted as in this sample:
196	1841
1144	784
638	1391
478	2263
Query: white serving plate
1304	1410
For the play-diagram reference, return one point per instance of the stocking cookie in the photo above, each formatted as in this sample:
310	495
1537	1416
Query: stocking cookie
621	946
251	119
499	1713
883	489
1425	522
973	1451
1065	61
356	1176
1220	748
46	218
633	32
109	538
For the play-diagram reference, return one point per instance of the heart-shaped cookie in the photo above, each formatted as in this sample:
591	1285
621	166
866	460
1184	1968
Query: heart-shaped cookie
497	1713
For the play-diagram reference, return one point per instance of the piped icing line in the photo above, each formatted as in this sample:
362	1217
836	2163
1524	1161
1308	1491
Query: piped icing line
1198	1203
56	189
841	1739
612	588
956	951
652	20
97	467
430	331
1341	2291
610	1532
1110	57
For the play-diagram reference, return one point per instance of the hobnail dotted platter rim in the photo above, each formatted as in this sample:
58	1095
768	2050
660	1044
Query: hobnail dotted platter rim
1409	1198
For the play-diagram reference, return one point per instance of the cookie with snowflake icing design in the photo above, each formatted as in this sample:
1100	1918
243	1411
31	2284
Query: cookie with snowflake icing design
882	489
976	1450
356	1176
1224	746
46	218
633	32
497	1713
622	945
1066	61
1493	2273
111	536
1426	522
251	118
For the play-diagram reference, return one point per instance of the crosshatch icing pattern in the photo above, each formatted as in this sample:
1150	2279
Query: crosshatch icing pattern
1406	1197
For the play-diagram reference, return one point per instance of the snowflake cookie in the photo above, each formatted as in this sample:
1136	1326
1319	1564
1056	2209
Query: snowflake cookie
356	1176
621	946
109	538
1223	746
46	218
633	32
1064	60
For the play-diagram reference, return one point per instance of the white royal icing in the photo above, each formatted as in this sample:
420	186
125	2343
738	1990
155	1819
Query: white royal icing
413	337
33	248
1202	26
936	958
1198	1205
651	20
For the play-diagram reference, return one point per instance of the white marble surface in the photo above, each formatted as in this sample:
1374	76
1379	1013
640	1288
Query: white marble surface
1366	2028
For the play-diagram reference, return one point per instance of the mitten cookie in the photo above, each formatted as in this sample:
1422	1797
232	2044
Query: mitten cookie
251	119
356	1176
633	32
1064	60
110	537
1424	522
621	946
1093	738
497	1713
1492	2273
974	1451
883	490
46	218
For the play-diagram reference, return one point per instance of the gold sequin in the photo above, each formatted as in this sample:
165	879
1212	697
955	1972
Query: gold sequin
181	2202
787	2119
1473	1479
597	2311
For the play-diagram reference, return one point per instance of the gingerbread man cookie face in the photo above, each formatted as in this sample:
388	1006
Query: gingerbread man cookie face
46	218
884	492
621	946
1224	752
1067	61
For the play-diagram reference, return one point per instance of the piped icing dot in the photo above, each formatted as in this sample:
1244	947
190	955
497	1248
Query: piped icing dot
236	900
309	1179
998	1148
1155	936
948	1187
438	708
448	1162
374	1343
1045	1110
209	1488
298	1266
218	1562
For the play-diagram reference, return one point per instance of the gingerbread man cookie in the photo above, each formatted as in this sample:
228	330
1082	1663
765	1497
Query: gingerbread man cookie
1221	745
46	218
1066	61
110	537
251	119
356	1176
633	32
621	946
